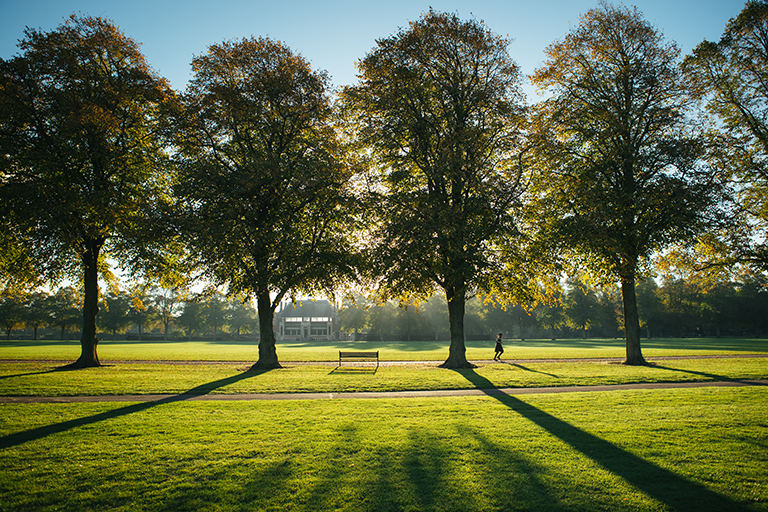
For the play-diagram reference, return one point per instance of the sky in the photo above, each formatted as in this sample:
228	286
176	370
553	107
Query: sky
334	34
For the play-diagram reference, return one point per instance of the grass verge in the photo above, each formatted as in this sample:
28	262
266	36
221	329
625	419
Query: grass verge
389	351
42	379
692	449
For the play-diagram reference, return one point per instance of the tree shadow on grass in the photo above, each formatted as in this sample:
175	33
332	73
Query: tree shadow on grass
65	368
523	367
662	484
417	472
34	434
43	372
712	376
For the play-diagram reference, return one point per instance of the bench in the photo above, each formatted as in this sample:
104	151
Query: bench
359	356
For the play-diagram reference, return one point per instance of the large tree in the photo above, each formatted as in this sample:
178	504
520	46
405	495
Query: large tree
79	155
264	178
439	109
731	78
619	177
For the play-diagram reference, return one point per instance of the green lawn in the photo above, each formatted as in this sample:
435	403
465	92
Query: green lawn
674	449
40	378
692	449
391	351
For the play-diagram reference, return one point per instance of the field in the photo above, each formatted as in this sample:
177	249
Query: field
392	351
630	449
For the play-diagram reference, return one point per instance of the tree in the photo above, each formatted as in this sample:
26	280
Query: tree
753	303
619	175
66	309
381	320
114	316
409	322
142	310
18	270
242	317
439	108
731	78
36	311
552	316
680	299
353	315
11	312
264	178
216	313
435	310
580	306
192	317
79	155
167	303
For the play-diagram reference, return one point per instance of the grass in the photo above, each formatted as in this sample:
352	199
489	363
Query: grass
672	449
69	350
40	378
693	449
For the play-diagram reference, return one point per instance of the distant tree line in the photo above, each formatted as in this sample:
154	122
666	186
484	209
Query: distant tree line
156	314
429	175
675	308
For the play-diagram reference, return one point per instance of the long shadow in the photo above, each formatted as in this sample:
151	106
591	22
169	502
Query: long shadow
663	485
522	367
3	377
34	434
65	368
712	376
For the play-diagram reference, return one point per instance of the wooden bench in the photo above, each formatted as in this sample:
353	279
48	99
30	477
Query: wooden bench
359	356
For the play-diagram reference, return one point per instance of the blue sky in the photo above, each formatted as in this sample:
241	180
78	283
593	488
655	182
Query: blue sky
334	34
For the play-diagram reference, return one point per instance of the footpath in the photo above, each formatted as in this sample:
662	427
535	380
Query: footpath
447	393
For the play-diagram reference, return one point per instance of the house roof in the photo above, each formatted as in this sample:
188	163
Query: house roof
307	308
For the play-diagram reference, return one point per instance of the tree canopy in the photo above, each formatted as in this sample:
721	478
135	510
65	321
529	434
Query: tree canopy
264	181
80	155
439	107
619	176
731	78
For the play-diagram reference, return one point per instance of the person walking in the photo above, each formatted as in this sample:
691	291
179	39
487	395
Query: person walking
499	348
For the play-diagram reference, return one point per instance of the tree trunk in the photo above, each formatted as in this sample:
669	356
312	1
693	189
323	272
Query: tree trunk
88	340
267	351
457	353
631	322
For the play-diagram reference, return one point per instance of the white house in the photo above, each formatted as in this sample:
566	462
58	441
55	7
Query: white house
307	320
